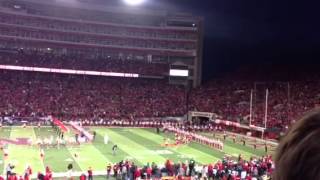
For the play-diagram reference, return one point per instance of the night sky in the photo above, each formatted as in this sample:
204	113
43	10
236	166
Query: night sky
241	32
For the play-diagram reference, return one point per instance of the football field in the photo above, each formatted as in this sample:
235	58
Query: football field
139	145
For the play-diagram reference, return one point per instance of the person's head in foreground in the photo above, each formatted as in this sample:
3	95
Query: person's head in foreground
298	154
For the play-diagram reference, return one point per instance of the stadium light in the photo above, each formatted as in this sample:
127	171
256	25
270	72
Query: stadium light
133	2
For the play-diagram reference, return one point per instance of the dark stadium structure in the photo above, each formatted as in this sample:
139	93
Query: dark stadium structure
107	39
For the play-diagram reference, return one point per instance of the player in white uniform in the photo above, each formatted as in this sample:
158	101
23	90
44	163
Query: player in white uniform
58	141
39	142
46	142
106	139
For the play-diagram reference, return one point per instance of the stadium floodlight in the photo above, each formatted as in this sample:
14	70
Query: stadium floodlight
133	2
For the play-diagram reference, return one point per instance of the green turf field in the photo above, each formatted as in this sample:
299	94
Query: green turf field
139	145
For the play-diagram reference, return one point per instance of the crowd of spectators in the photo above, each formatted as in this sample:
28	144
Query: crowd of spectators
78	62
84	97
287	101
28	94
228	168
68	97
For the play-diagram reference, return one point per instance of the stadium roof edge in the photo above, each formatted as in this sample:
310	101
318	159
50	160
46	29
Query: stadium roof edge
112	9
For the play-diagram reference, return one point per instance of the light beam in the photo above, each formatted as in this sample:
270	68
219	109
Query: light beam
133	2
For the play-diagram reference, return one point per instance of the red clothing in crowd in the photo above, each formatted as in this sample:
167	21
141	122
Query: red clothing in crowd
83	177
13	177
149	171
30	170
26	176
210	170
48	175
137	173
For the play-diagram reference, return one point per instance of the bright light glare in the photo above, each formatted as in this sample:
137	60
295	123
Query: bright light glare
134	2
179	72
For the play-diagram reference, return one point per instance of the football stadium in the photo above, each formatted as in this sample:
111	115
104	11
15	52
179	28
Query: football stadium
91	89
141	146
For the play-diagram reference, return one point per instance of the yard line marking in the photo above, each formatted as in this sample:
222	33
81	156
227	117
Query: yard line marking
34	137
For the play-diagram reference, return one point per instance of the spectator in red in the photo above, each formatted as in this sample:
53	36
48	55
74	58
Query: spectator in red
115	170
40	176
210	171
27	173
83	177
149	172
137	173
48	175
169	167
13	177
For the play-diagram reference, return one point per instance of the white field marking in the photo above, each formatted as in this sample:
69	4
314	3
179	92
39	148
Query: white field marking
186	156
69	160
80	158
34	137
163	152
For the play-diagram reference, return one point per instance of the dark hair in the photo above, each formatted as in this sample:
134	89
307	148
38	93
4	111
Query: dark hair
70	166
298	154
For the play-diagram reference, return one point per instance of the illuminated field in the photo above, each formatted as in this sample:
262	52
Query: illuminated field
139	145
